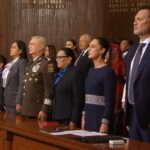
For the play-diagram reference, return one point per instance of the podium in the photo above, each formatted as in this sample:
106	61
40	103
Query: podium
21	133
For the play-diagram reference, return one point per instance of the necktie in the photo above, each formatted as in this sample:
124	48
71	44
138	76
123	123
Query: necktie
77	60
133	72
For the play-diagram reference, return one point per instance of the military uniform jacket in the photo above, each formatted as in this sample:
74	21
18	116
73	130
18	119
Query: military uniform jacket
38	87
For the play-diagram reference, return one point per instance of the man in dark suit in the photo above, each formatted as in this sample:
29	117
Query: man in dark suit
124	46
138	80
38	81
83	63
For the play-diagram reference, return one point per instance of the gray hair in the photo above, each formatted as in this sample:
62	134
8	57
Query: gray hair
41	39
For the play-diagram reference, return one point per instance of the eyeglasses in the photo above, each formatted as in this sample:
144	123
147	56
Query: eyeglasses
60	57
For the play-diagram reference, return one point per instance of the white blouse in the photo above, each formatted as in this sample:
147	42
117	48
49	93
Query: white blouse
7	70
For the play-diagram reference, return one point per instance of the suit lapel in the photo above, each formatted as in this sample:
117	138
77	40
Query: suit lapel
130	56
64	76
11	71
144	59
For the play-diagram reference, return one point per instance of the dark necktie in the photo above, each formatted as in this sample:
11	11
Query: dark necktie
133	72
77	60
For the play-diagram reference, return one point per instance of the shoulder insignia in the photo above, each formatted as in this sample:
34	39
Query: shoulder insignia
48	59
50	68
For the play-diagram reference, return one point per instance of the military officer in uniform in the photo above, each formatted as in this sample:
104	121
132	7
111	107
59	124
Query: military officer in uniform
38	81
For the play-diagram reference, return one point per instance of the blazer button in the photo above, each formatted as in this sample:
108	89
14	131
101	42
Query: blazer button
24	94
35	79
25	80
30	79
38	101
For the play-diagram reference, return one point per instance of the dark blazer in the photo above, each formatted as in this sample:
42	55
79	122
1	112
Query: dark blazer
69	98
1	93
141	87
13	89
83	65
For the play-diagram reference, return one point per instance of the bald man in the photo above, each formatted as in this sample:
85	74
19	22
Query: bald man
83	63
38	81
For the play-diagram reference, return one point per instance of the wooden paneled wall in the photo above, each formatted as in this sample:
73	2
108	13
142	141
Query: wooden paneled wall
57	25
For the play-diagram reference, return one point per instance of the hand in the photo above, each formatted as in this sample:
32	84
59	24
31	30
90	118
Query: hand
104	128
72	125
18	119
42	116
83	122
18	108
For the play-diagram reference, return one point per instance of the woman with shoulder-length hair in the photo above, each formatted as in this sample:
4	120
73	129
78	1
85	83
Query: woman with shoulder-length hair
71	43
68	97
12	77
99	90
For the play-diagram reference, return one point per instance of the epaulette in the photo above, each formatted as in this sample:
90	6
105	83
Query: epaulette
48	59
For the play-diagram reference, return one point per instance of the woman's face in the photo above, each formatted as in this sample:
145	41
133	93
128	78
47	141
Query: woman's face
62	60
46	52
94	49
14	51
70	45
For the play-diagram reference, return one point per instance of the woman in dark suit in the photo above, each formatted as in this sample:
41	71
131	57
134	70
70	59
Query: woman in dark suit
12	77
68	100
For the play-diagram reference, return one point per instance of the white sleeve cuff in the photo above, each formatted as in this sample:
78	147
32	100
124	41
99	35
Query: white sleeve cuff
47	101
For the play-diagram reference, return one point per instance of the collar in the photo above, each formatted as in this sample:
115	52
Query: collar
65	69
35	58
85	51
14	60
146	41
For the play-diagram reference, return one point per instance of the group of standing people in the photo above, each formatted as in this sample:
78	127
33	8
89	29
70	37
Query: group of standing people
83	90
28	85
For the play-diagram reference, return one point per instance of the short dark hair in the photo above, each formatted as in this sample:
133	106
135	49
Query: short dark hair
73	42
3	60
130	42
69	52
52	51
21	45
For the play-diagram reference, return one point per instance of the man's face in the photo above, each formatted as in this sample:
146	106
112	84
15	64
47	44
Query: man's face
142	23
34	47
83	42
124	46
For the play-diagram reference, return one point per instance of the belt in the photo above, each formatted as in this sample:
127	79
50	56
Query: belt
95	99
